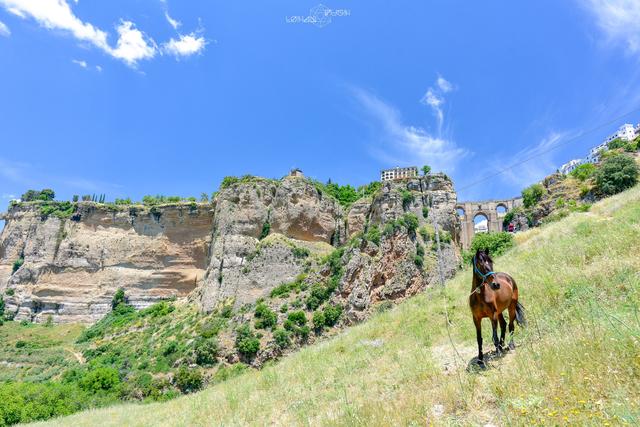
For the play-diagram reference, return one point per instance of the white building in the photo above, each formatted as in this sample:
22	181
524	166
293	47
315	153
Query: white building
626	133
568	167
398	173
481	227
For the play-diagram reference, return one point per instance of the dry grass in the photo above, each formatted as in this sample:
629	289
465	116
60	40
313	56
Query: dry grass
578	362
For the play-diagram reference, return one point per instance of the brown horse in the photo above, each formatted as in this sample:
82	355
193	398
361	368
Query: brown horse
491	294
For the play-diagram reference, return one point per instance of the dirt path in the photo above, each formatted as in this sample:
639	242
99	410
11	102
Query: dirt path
77	355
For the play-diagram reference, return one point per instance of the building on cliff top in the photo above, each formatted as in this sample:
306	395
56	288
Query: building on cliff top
398	173
296	172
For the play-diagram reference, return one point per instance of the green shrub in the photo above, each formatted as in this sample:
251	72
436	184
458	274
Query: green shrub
118	298
247	343
100	379
298	318
331	314
369	190
427	232
318	321
61	210
583	171
212	327
616	174
495	243
283	290
532	195
1	307
17	264
281	337
266	228
425	212
344	194
45	195
28	402
159	309
445	236
511	215
206	351
426	169
373	234
265	317
188	380
407	198
418	261
299	252
410	221
10	292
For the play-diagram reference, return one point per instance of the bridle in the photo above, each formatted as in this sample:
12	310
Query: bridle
484	276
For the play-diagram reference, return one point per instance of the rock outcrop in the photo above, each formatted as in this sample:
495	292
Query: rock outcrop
72	267
255	235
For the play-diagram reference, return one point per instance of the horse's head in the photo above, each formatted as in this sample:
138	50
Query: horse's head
483	265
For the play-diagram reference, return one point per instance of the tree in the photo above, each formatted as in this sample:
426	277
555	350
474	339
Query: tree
616	174
532	195
118	298
426	169
583	172
47	195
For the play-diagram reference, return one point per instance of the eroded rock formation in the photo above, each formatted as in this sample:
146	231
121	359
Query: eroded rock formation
254	236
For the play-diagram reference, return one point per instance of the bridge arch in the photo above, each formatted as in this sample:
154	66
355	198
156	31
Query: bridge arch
493	210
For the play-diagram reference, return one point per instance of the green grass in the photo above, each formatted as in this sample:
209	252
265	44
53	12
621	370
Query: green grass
35	353
578	362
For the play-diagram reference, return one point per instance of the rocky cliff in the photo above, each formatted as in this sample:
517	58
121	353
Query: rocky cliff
72	267
255	235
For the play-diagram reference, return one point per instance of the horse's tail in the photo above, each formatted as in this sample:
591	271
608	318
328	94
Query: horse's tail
520	318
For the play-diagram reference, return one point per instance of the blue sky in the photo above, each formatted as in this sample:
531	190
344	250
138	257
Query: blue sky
135	97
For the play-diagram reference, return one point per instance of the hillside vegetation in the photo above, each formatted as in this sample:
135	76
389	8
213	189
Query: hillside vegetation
578	363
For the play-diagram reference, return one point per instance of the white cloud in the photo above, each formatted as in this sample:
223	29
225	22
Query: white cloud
56	14
186	45
133	45
406	144
444	85
80	63
619	20
98	68
4	30
434	98
173	22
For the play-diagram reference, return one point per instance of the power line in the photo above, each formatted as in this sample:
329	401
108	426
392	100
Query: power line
553	147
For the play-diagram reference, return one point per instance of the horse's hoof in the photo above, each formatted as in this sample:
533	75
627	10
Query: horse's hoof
512	346
481	364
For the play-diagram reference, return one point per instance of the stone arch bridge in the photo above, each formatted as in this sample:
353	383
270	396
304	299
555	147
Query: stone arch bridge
493	210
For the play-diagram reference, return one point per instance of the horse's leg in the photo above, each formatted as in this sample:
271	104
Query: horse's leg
478	323
512	317
503	329
494	326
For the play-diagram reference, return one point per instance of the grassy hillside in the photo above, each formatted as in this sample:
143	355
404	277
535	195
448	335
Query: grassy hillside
36	353
577	363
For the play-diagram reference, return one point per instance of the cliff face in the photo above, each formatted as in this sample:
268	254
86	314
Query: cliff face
72	267
294	215
254	236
